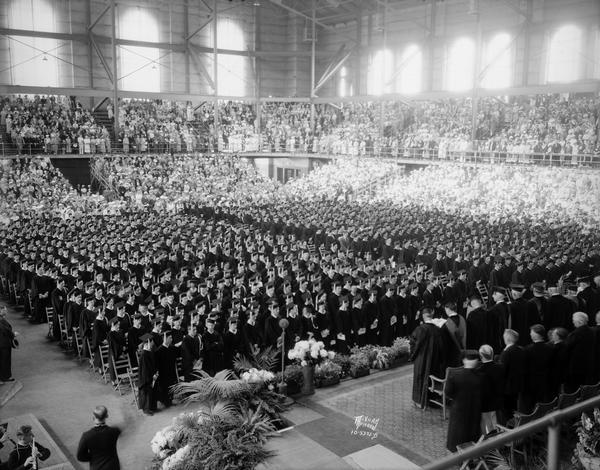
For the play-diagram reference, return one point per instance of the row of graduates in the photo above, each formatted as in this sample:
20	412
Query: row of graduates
514	380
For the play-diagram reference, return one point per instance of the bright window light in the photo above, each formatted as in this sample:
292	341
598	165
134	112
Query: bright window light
564	55
140	68
231	73
497	67
410	76
33	60
343	83
460	64
380	73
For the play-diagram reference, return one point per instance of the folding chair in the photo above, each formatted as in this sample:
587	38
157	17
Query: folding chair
179	369
50	316
483	291
479	462
78	343
92	354
437	388
121	369
4	285
132	375
589	391
65	339
519	447
104	362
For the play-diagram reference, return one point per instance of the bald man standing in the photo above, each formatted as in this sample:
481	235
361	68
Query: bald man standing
98	446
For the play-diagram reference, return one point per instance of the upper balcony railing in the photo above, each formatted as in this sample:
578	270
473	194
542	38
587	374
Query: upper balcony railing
256	147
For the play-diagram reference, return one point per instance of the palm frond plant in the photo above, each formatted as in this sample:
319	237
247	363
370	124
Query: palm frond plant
267	359
224	386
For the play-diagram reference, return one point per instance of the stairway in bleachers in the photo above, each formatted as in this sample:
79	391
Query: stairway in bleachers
76	170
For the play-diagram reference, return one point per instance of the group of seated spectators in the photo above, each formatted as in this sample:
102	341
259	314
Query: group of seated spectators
51	125
546	125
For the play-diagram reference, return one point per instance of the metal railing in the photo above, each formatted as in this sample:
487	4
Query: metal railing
261	147
551	421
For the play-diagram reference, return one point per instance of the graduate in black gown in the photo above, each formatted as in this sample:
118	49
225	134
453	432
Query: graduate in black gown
191	351
427	349
134	335
116	345
147	376
166	366
214	359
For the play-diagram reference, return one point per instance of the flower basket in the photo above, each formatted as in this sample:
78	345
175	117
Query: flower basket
397	362
359	372
328	382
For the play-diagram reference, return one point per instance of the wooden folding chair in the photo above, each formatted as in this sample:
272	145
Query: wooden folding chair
479	462
179	369
483	291
78	343
65	339
437	390
121	369
92	353
520	447
50	316
104	361
4	285
589	391
132	376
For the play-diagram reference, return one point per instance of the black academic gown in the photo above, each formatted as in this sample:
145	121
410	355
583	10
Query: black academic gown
476	328
214	360
116	345
190	353
464	387
147	369
538	370
427	353
522	314
166	365
133	342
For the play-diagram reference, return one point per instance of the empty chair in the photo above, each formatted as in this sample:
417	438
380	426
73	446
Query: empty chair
437	390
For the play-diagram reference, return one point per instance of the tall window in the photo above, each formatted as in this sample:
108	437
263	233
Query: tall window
33	60
139	70
564	54
343	83
460	64
410	73
497	65
380	73
231	78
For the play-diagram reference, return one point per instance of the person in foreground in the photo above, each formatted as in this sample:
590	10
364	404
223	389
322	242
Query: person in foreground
464	386
24	457
98	446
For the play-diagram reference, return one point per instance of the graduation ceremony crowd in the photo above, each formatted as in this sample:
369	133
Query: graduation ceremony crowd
206	255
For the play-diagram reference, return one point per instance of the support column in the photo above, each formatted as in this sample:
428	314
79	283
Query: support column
215	70
476	80
313	66
431	46
257	71
357	59
186	33
88	12
527	44
553	447
113	40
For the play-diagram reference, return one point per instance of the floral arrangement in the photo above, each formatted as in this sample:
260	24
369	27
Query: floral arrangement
292	376
327	371
258	376
381	357
588	433
345	362
359	364
310	352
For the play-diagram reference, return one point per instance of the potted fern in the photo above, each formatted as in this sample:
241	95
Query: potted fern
359	365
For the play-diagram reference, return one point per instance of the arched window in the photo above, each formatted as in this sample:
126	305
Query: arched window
497	65
380	73
460	64
410	73
231	73
139	67
564	54
33	60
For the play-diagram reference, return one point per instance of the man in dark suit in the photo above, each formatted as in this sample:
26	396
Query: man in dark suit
512	359
98	446
7	337
538	369
492	376
464	387
558	310
580	346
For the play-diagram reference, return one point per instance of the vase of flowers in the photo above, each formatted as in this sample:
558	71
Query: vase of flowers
587	450
309	353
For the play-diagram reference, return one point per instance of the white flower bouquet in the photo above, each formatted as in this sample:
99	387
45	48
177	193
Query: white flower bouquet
258	376
310	352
